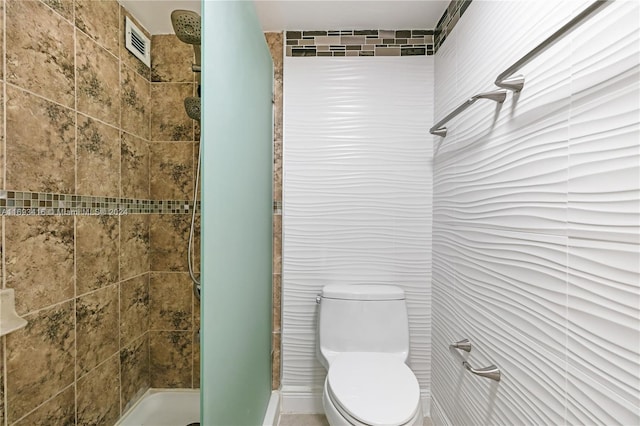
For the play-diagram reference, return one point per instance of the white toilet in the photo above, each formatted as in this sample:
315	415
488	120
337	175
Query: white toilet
363	342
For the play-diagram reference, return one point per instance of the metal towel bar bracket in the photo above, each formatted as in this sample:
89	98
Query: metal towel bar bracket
491	372
463	345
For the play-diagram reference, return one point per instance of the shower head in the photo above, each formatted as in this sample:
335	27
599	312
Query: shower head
186	24
192	106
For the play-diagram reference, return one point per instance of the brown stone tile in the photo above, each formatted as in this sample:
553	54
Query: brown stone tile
39	260
134	245
98	158
277	244
40	51
96	325
171	171
2	385
171	59
196	314
135	99
134	371
60	410
134	169
277	171
99	394
98	81
276	360
127	57
99	20
31	164
169	121
277	302
2	140
277	109
171	359
97	251
170	304
274	41
196	130
63	7
2	71
134	308
39	359
196	360
169	242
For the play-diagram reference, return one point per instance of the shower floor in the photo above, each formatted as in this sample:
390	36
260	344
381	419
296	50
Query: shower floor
160	407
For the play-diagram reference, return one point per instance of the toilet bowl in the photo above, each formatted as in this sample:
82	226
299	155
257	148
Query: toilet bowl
363	342
371	389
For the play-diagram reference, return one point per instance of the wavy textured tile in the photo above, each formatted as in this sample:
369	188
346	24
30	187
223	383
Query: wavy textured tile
604	153
603	320
535	232
357	195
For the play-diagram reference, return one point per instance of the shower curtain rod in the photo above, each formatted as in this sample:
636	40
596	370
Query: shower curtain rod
507	79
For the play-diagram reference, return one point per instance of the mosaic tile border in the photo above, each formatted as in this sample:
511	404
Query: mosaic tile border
24	203
448	21
360	43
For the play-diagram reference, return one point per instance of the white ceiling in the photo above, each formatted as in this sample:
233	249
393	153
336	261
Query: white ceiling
280	15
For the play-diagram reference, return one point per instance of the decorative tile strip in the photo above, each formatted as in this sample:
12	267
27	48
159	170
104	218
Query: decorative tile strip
448	21
277	207
360	43
22	203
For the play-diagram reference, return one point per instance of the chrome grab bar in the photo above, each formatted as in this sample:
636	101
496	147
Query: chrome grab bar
491	372
498	96
507	80
463	345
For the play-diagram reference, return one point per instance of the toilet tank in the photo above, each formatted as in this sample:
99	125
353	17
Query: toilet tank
362	318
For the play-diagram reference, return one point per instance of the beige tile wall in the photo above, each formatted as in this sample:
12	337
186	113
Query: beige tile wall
175	352
275	42
109	304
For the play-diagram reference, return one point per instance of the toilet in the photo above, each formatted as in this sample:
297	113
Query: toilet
363	342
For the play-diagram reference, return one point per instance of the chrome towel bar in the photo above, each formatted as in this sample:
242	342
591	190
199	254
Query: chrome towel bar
507	79
498	96
491	372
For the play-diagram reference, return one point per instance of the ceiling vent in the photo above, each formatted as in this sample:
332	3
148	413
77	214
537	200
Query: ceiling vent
137	43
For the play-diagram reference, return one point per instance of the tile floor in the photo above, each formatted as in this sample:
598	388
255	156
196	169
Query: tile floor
315	420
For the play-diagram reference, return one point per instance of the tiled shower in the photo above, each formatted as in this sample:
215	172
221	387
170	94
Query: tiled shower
97	186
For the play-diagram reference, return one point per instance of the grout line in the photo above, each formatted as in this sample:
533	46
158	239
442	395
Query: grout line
39	406
75	227
4	98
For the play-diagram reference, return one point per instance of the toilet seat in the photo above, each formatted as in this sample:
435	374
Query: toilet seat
373	389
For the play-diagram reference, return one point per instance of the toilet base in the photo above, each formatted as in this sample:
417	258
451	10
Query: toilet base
335	418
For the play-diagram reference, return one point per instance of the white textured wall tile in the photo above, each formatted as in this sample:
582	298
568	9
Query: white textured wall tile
604	324
357	195
536	219
604	153
590	404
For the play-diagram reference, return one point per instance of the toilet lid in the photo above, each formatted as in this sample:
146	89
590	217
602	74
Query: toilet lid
374	388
